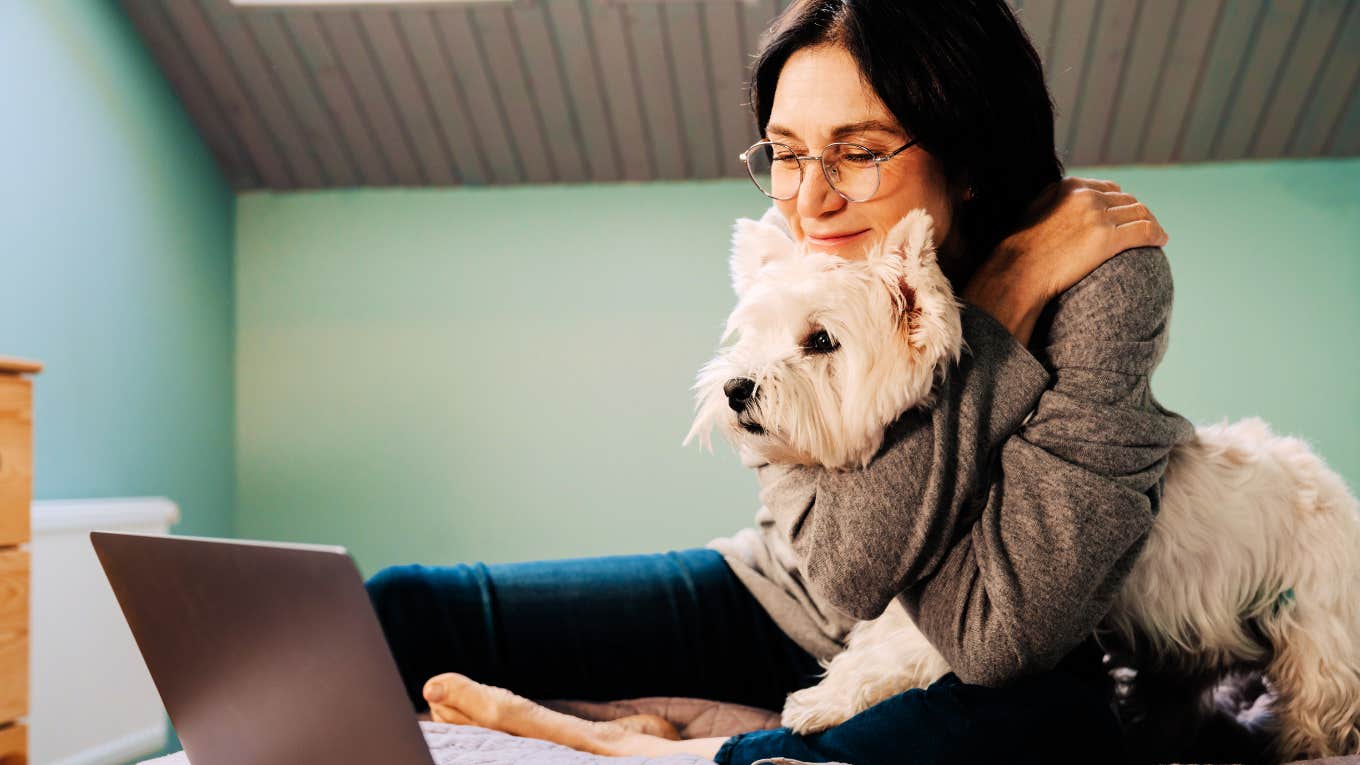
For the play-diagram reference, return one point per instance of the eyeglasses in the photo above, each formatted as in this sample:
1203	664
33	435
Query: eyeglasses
850	169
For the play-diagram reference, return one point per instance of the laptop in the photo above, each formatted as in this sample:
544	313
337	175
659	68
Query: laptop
263	653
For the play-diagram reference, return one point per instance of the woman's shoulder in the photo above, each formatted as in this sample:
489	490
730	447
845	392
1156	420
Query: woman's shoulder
1128	296
1117	318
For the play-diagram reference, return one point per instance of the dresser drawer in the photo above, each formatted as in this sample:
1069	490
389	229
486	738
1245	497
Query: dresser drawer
13	634
14	745
16	458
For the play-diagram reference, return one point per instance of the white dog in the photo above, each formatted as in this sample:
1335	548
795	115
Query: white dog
1254	528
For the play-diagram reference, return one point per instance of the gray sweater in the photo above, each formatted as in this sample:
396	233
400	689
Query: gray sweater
1006	516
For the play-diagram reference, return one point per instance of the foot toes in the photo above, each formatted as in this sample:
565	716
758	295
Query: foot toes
478	704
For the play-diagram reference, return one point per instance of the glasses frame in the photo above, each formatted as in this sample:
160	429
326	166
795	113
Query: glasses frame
878	159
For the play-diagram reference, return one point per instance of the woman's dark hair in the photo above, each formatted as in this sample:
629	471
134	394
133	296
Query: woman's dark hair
960	76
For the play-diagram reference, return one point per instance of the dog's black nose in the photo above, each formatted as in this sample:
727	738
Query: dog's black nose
738	391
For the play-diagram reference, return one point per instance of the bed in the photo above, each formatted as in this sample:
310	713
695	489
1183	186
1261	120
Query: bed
693	718
469	745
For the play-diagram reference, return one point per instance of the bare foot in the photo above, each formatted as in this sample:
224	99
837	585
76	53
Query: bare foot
455	698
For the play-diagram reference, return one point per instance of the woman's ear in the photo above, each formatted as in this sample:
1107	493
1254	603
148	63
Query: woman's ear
754	246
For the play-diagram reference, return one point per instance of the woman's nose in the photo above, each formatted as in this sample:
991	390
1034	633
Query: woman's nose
815	196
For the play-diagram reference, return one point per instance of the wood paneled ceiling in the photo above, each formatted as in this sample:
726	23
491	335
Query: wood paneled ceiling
548	91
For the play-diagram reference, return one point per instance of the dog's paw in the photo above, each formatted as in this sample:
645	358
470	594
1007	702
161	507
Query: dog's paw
813	710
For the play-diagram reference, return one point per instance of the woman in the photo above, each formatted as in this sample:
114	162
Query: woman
1005	517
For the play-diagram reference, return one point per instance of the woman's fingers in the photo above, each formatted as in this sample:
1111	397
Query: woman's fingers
1121	214
1139	233
1107	186
1099	184
1117	198
1132	213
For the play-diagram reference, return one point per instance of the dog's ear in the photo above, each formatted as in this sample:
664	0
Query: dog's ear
754	245
906	261
912	238
907	248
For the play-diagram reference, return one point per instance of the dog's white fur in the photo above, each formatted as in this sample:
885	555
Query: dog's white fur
1254	528
831	409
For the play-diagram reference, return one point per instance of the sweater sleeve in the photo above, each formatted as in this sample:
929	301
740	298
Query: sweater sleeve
1006	536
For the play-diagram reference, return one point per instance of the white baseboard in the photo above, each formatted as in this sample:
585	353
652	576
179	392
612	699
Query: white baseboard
91	699
56	515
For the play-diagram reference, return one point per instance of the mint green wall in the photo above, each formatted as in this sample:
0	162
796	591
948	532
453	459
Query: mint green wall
115	266
1266	259
492	374
503	374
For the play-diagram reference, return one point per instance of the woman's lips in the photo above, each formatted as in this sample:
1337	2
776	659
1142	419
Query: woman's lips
835	240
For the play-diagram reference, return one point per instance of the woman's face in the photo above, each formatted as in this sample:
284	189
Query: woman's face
819	93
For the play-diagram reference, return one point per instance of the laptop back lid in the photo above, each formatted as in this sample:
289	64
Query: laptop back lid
263	653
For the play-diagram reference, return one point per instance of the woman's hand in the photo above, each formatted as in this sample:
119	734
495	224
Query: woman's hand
1073	227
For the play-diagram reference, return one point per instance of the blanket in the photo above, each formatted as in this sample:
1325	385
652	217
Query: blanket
693	718
470	745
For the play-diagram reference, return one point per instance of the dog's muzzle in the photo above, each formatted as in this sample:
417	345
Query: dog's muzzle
738	391
749	425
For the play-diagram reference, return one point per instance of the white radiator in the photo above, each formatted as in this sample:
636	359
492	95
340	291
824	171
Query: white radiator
91	700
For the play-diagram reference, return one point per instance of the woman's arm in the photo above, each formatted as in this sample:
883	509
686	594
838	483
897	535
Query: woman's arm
1075	490
1004	582
1072	228
862	536
1008	580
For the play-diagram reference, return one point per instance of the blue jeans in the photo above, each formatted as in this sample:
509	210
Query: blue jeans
681	624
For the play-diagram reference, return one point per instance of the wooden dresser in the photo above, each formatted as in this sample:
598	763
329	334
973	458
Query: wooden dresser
16	487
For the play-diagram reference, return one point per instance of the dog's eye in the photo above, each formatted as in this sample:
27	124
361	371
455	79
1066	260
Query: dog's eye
820	342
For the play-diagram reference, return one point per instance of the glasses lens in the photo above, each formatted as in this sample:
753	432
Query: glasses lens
774	169
851	170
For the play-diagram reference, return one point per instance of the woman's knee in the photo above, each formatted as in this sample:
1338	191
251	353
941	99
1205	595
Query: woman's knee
395	587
